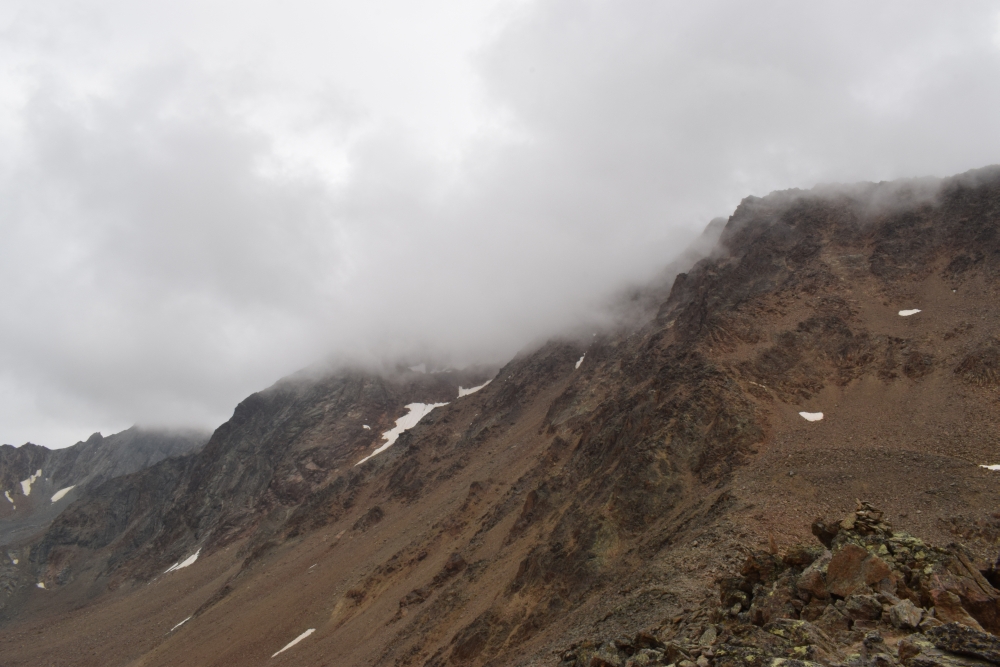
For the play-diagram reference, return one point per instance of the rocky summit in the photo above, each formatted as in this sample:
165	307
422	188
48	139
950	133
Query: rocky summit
637	493
864	595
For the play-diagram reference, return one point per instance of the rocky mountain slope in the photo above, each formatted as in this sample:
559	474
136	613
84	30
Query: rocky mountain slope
595	488
37	483
864	594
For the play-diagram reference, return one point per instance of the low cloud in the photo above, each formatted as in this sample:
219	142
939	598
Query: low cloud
184	230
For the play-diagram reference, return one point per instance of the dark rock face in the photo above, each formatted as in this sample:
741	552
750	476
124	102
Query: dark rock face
83	466
88	472
282	447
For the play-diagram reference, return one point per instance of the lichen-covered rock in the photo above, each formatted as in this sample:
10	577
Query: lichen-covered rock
813	578
606	656
905	615
798	634
792	662
853	567
815	606
740	656
645	658
918	651
961	639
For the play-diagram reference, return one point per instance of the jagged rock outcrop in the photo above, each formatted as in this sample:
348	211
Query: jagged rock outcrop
869	596
280	448
37	483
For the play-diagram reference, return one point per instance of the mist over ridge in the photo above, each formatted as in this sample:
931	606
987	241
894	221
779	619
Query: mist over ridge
189	218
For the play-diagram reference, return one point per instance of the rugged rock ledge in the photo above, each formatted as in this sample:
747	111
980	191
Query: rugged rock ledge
866	596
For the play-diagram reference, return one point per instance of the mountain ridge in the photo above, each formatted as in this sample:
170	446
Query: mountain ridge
594	487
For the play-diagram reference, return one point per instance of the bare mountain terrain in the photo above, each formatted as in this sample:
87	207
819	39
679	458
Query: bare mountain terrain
598	486
37	483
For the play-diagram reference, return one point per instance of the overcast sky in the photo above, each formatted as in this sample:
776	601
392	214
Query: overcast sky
199	197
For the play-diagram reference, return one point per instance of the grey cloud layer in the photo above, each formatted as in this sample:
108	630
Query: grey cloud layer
158	263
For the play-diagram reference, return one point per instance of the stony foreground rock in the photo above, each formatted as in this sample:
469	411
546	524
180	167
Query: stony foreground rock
869	597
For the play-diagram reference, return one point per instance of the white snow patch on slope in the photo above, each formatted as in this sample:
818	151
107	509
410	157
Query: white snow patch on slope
296	640
992	467
580	360
471	390
41	584
907	313
7	496
811	416
417	411
366	427
419	368
58	495
180	624
186	562
14	561
26	484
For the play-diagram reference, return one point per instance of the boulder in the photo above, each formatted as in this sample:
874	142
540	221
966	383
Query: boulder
645	657
873	646
905	615
948	609
813	578
853	567
863	608
778	602
918	651
606	656
964	640
832	622
962	578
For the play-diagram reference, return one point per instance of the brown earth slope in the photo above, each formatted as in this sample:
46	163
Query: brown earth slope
568	498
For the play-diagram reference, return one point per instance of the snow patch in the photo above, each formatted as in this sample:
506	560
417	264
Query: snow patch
185	563
580	360
180	624
14	561
992	467
41	584
7	496
296	640
419	368
366	427
907	313
58	495
811	416
417	411
471	390
26	484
